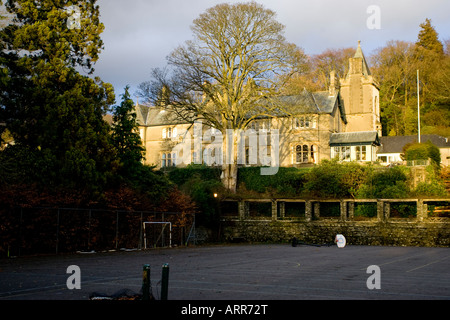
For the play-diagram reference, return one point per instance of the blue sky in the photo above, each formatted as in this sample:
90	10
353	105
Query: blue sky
139	34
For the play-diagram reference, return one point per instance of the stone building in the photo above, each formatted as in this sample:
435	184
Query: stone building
342	122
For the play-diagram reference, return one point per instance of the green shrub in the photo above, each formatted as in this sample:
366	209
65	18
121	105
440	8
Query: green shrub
180	176
388	183
423	151
200	182
332	179
287	182
433	189
365	210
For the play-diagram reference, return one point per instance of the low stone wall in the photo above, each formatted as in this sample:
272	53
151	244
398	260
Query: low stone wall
310	227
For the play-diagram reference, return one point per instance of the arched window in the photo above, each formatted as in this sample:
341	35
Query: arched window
174	162
305	153
298	154
169	159
313	154
163	162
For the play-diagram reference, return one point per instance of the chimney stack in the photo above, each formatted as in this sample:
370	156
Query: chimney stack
334	84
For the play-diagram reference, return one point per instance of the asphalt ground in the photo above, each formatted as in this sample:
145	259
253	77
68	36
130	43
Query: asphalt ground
238	272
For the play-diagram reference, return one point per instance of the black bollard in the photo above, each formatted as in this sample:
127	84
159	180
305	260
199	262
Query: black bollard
165	281
146	282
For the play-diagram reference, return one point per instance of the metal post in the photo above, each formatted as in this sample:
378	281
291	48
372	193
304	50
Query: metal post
146	282
165	281
89	230
20	231
57	231
117	229
418	104
140	234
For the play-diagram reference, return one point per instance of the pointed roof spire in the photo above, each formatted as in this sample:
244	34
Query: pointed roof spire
360	55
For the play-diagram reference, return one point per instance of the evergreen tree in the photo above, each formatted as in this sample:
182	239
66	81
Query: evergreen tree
125	136
47	105
428	38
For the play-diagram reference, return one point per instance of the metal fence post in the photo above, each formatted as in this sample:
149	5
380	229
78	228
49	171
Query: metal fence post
20	231
146	282
89	230
117	229
140	233
57	231
165	281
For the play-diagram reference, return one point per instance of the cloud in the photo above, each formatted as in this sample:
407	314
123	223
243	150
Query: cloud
139	34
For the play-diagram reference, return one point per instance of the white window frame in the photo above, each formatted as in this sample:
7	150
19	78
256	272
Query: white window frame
307	153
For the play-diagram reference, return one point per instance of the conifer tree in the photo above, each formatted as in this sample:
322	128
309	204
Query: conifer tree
428	38
47	105
125	136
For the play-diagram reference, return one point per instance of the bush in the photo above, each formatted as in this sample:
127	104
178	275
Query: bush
435	189
423	151
385	183
200	183
332	179
180	176
287	182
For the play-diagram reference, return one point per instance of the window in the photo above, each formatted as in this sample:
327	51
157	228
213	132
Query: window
260	125
305	122
342	153
163	162
305	153
168	133
313	151
361	153
168	160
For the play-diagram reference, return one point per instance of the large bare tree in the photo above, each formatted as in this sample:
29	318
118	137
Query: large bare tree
229	74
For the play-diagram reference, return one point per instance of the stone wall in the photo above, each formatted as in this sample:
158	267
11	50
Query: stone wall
314	228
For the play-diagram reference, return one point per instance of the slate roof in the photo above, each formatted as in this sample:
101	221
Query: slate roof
310	102
303	103
313	103
396	144
154	116
354	138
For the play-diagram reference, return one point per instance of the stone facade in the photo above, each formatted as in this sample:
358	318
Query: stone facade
361	96
351	105
313	228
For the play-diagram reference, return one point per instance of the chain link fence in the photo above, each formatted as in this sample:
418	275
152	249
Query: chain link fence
40	230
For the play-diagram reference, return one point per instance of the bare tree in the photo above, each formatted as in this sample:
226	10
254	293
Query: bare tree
229	74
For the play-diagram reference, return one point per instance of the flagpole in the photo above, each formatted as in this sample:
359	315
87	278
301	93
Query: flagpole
418	104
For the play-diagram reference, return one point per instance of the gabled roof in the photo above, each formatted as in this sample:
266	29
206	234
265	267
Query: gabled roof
156	116
354	138
141	113
304	103
313	103
396	144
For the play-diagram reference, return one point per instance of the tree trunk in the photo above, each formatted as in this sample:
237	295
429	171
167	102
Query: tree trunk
229	176
229	166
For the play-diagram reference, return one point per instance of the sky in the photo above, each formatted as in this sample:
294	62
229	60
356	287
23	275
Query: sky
140	34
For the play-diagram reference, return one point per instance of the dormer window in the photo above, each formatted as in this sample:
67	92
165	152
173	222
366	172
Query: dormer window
169	132
305	122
